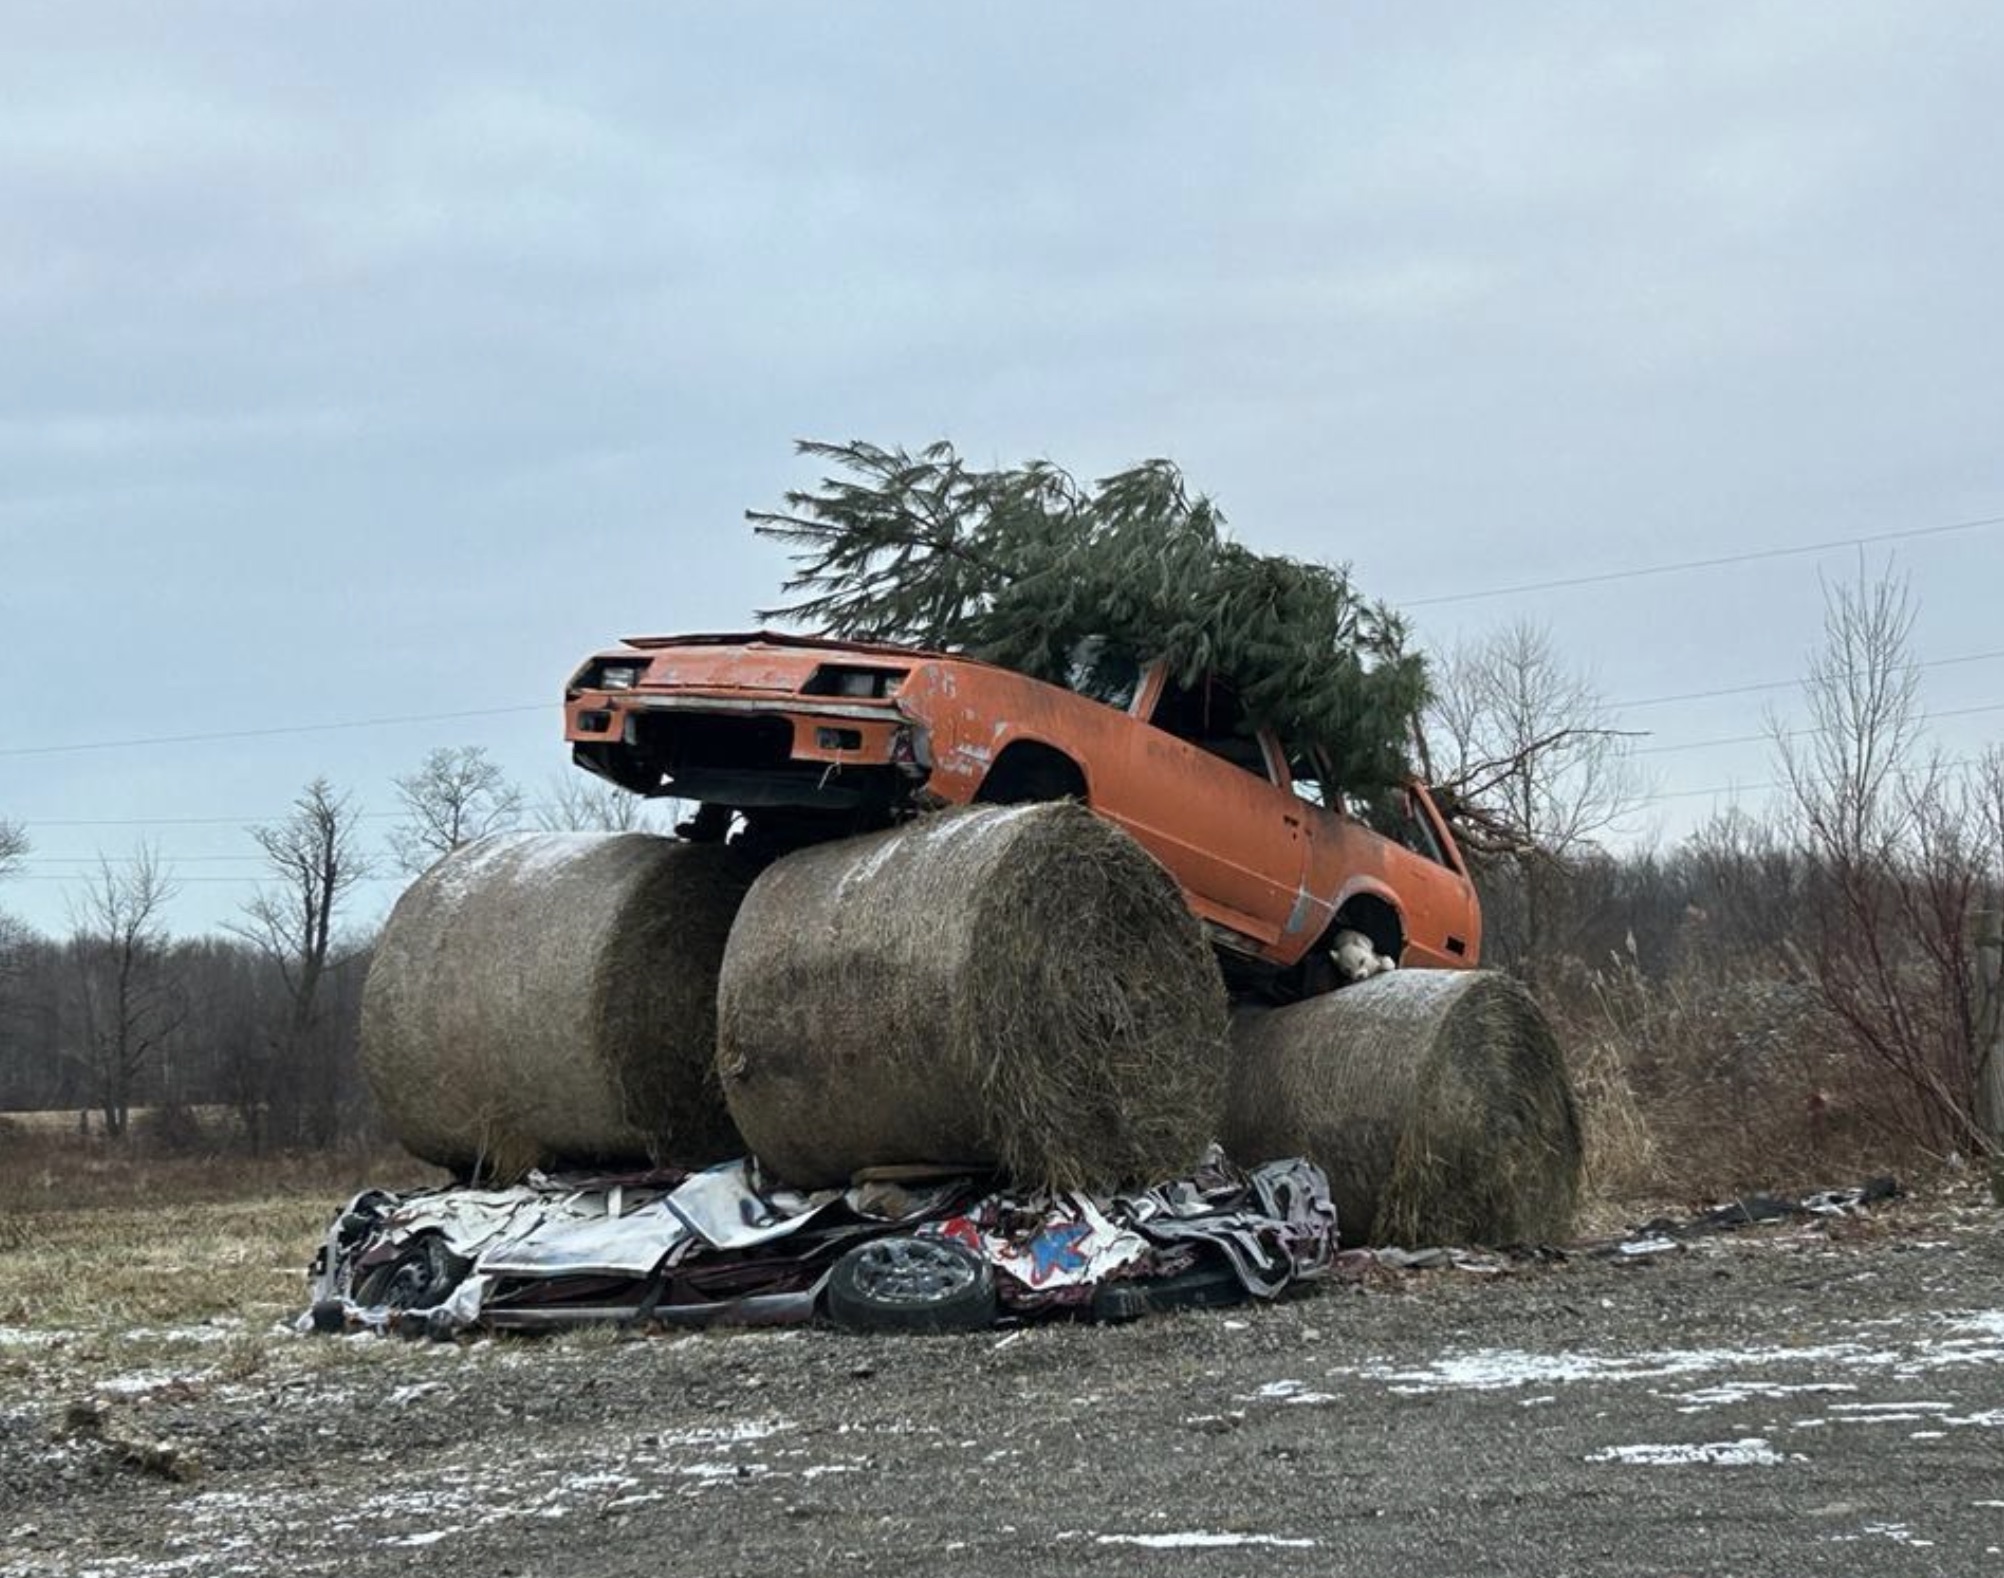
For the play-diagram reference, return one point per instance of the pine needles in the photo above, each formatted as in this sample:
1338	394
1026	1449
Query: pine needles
1028	568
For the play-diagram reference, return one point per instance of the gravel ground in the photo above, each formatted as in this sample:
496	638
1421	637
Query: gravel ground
1777	1401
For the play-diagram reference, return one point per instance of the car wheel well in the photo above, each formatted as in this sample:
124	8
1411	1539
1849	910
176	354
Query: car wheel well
1376	918
1029	770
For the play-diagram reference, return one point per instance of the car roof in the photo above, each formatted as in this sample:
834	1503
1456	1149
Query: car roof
782	638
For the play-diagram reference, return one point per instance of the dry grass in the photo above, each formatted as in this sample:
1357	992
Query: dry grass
63	1120
1717	1081
99	1237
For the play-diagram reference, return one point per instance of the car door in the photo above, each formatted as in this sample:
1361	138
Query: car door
1207	800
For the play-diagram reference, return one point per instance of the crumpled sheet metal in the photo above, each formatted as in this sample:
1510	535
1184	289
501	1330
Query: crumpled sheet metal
1275	1228
1275	1225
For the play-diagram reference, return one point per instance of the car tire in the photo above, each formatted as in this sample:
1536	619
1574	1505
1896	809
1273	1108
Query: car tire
912	1285
423	1274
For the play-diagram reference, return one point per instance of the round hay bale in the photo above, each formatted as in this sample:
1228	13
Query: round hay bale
1436	1101
1018	988
546	999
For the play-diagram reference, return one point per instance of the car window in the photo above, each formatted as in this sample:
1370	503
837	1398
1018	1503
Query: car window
1304	773
1209	716
1397	815
1104	673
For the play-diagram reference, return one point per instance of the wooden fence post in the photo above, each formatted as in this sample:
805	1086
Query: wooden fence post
1988	952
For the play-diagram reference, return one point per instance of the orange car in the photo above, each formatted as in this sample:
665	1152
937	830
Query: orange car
806	739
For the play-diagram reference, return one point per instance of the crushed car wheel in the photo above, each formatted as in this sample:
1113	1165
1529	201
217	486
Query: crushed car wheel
422	1274
912	1284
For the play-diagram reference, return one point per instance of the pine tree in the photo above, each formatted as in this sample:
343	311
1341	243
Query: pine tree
1028	569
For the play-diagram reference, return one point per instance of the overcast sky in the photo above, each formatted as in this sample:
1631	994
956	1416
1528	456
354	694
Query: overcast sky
366	361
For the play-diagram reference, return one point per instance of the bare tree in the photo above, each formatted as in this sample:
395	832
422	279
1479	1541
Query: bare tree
128	1003
1848	773
13	937
1527	765
315	863
580	803
13	847
458	794
1895	844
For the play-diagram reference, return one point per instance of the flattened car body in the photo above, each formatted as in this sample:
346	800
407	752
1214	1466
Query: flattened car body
720	1247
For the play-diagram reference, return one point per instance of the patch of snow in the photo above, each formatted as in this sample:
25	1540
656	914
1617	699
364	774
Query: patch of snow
1731	1393
1753	1451
1967	1339
218	1331
143	1383
25	1337
1896	1410
525	859
1289	1392
1195	1541
1898	1533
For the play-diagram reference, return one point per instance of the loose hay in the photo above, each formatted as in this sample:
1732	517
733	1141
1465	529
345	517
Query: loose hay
1016	987
550	998
1436	1100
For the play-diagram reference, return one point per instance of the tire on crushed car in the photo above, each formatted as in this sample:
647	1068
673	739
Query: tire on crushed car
423	1273
912	1285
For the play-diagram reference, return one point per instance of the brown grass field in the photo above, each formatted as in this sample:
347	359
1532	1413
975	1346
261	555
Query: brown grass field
96	1236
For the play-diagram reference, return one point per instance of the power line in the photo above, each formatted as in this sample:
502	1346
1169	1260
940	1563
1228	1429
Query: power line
71	876
1738	789
1782	684
1797	734
1638	572
184	821
258	734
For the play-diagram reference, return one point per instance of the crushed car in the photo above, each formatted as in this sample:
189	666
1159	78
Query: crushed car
724	1247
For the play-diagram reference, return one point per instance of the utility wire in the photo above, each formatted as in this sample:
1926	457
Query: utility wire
1797	734
1633	573
1782	684
1638	572
1739	789
258	734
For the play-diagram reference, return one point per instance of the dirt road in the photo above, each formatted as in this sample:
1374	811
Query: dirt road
1779	1401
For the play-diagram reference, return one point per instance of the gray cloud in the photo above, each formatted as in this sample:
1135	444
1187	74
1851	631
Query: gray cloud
381	360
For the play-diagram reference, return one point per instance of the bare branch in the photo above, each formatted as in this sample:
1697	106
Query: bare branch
580	803
456	796
314	861
13	847
1522	768
127	1003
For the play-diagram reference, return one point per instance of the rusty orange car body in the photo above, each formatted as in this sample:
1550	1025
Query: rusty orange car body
801	738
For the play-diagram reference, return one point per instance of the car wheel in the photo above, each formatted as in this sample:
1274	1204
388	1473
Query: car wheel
424	1272
912	1284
